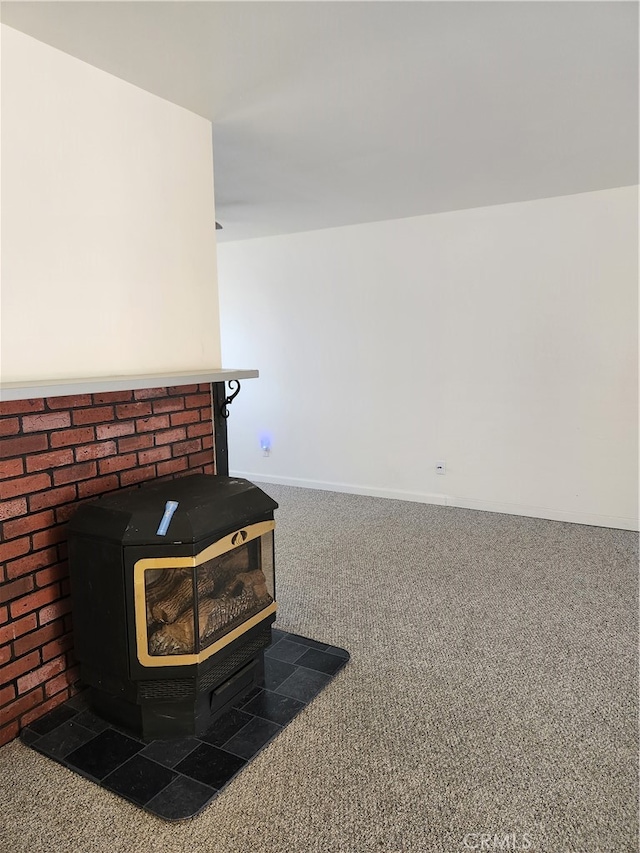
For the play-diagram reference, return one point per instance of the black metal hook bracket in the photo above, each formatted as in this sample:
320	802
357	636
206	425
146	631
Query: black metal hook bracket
224	411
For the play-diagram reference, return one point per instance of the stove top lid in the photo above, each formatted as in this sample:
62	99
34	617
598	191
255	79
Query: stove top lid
207	506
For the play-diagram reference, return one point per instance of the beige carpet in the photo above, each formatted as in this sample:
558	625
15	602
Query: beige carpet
492	691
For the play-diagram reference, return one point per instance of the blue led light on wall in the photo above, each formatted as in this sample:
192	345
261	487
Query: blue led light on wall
265	443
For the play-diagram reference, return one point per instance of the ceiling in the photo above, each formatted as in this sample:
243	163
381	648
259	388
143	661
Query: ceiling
335	113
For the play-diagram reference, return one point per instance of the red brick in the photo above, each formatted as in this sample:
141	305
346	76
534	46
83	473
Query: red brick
46	421
4	615
188	417
35	600
7	694
38	638
68	437
127	478
52	497
53	459
149	393
18	667
170	435
43	709
14	548
61	682
172	466
74	401
8	733
203	458
209	469
40	675
11	468
193	401
114	430
187	472
9	426
199	429
81	471
25	525
56	647
117	463
17	407
51	536
168	404
182	389
22	445
184	447
207	442
157	454
94	415
64	513
151	424
18	628
25	485
9	591
98	486
133	410
95	451
112	397
58	572
5	654
10	509
23	704
54	611
136	442
36	560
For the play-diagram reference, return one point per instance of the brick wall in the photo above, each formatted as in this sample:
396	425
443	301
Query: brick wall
54	454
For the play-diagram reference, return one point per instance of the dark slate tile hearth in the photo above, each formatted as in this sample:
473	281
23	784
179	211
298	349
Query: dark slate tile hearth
170	752
250	739
176	779
273	706
102	754
211	765
181	799
139	779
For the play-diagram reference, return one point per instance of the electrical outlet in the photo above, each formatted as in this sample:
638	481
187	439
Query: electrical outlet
441	467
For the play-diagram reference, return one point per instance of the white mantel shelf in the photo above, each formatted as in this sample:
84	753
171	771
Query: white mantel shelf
28	390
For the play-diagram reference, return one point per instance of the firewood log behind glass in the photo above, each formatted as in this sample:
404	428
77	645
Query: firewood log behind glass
230	589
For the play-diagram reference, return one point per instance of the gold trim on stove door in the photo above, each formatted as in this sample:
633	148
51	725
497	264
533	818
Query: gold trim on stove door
222	546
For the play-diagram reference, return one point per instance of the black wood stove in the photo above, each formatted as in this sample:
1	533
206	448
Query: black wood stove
173	591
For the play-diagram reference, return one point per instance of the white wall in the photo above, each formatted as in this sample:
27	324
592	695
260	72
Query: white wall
502	340
108	230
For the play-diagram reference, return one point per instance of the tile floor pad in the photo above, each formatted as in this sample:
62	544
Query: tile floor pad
176	779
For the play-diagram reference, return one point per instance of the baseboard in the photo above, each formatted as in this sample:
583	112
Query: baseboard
591	519
349	488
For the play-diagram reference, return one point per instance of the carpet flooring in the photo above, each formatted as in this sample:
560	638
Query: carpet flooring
490	702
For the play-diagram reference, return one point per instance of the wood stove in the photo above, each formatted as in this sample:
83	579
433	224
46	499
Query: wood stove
173	588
